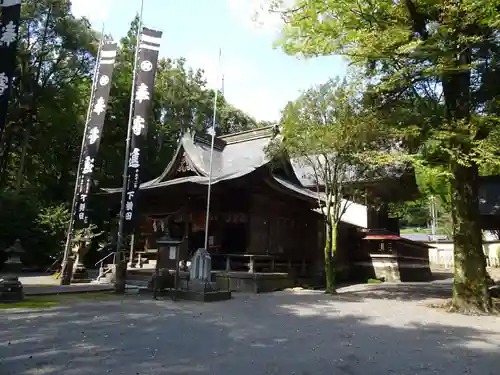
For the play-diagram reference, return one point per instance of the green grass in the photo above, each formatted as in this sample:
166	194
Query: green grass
374	281
29	303
416	231
45	302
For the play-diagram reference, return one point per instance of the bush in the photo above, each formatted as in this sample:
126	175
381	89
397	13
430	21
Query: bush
39	226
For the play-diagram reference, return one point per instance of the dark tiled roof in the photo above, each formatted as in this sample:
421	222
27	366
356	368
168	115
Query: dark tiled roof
236	155
306	174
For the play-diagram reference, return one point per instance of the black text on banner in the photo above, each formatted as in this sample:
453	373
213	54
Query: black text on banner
93	134
10	13
147	64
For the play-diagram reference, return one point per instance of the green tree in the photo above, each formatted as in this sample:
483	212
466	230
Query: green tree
437	55
41	144
55	58
322	132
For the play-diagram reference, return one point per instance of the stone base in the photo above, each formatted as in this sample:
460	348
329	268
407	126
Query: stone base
193	296
81	281
253	282
11	289
200	286
80	274
391	268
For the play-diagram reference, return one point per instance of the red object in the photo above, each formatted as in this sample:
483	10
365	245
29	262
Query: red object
382	237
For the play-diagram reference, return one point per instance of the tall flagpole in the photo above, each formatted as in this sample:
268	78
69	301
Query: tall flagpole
121	223
209	189
69	235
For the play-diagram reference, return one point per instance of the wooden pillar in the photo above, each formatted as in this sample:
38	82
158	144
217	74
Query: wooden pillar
131	261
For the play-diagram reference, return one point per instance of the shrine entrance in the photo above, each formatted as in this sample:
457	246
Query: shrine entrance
235	237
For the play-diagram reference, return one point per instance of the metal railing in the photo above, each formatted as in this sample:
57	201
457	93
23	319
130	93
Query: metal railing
103	272
59	259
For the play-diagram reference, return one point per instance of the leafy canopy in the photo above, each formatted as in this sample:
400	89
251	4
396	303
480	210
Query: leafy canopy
322	131
409	53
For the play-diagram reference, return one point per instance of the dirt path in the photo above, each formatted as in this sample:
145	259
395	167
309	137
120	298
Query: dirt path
365	330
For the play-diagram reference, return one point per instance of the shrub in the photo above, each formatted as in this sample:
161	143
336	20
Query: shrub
39	226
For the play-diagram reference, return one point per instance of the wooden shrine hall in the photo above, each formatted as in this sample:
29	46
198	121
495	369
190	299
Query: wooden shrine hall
265	231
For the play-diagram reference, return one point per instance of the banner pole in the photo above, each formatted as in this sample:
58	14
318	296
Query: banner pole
117	262
69	235
212	132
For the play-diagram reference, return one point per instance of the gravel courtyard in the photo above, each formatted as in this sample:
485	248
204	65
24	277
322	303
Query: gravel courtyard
369	330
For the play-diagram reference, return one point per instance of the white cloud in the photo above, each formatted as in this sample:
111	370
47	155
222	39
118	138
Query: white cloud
95	10
241	83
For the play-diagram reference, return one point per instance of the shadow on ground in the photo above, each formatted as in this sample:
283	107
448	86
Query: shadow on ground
399	291
302	333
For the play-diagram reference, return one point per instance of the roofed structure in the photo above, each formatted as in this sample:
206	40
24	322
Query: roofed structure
239	154
264	216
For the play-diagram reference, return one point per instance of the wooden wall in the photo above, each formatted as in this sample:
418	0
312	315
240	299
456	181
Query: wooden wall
285	227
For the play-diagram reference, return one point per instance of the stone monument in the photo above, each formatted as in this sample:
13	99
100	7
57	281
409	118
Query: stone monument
80	249
13	263
200	274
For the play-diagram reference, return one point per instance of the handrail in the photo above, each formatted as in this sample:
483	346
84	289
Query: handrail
59	258
102	274
103	259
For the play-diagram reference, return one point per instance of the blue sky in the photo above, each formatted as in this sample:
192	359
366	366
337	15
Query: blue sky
258	79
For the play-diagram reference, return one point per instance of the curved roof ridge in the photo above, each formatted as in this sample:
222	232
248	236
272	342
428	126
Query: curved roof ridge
247	135
167	168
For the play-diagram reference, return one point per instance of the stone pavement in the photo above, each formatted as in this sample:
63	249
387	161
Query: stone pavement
365	330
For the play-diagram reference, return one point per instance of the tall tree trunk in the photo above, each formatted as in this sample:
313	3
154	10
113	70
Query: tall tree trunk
470	283
329	252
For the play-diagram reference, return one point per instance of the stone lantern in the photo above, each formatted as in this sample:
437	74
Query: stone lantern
81	246
13	263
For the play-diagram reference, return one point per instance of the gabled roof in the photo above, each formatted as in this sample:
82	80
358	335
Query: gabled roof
235	155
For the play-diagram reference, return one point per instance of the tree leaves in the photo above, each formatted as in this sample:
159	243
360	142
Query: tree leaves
40	150
426	65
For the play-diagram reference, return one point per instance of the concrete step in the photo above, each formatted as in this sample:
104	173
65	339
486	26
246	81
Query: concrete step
138	283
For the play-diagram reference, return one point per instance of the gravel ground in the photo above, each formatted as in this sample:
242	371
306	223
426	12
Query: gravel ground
365	330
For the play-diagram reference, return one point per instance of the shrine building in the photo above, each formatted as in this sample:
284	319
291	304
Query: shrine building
265	229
